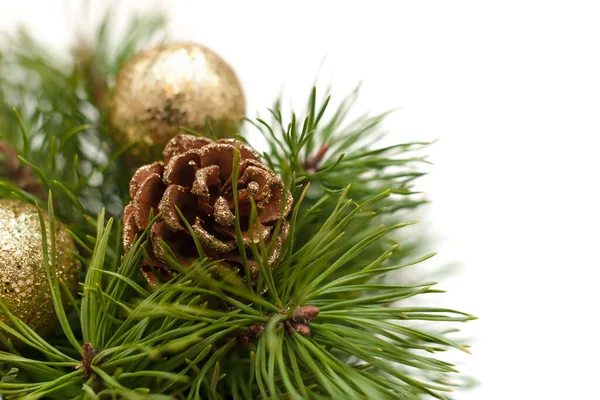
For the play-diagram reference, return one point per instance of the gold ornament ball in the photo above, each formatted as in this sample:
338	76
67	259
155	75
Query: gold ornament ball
24	287
174	85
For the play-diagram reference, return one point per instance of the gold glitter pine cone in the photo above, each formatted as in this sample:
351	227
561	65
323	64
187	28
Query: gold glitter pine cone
24	287
196	177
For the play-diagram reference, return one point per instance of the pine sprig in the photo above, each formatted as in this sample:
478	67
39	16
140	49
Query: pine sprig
329	151
177	338
330	320
208	333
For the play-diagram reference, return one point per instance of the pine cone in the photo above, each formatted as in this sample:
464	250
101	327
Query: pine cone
197	179
20	175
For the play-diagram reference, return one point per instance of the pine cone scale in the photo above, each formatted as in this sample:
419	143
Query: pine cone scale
181	170
141	174
176	197
182	143
147	199
205	178
211	241
130	229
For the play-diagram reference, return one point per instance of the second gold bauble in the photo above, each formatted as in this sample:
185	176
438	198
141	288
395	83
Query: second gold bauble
24	286
173	85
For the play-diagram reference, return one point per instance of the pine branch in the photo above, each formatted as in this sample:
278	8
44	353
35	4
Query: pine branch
188	324
328	321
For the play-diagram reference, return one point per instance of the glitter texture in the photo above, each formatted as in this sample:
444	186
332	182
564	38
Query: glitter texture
223	215
173	85
24	287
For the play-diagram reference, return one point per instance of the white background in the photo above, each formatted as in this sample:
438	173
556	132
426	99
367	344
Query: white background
512	91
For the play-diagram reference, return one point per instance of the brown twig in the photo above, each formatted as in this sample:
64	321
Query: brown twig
298	322
312	164
88	354
252	334
20	175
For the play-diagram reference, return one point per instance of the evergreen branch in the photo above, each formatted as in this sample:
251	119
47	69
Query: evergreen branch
328	321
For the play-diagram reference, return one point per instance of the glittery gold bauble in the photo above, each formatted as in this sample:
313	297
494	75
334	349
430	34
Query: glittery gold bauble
24	287
174	85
